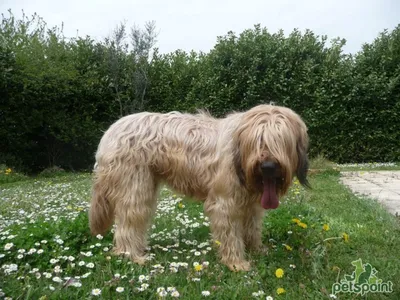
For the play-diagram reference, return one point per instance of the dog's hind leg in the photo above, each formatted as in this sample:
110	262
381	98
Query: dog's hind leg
134	213
226	220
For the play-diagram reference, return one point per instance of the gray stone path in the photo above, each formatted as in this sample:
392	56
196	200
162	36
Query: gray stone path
383	186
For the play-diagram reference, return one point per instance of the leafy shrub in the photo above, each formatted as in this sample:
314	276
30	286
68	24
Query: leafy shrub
52	172
8	175
59	95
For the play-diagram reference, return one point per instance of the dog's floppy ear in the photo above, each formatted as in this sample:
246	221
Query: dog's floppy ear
302	166
237	162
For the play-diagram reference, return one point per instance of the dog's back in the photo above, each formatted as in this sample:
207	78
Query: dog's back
180	149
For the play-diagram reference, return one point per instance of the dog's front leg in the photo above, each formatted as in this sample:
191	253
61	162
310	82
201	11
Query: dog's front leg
226	220
252	226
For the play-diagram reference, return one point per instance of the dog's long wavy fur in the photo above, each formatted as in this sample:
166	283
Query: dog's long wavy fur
210	159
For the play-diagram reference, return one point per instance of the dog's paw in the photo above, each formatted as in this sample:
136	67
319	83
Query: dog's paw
261	249
119	252
239	266
140	260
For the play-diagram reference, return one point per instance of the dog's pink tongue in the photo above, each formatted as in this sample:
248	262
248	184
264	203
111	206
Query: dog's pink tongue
269	199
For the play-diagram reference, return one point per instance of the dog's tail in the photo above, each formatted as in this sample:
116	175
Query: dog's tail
101	212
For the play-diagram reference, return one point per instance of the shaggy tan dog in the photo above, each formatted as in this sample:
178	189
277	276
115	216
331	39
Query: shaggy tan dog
238	166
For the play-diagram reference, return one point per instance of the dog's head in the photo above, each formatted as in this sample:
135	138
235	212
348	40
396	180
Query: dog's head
271	145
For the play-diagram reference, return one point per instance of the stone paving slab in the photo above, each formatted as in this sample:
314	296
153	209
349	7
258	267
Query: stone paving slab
384	186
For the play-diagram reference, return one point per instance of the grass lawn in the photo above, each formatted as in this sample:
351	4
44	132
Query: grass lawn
46	251
369	167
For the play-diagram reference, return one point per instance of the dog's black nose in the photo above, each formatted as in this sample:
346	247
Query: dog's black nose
268	168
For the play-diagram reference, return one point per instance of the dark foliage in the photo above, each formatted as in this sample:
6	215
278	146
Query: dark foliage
58	95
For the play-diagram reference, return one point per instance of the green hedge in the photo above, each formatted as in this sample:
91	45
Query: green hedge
58	95
350	102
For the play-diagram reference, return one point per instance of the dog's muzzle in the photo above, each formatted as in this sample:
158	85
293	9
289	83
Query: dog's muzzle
268	168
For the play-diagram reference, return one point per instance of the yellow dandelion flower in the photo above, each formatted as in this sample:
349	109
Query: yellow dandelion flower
295	220
198	268
335	268
218	243
296	192
8	171
279	273
302	225
280	291
297	182
288	247
180	205
69	207
325	227
345	237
